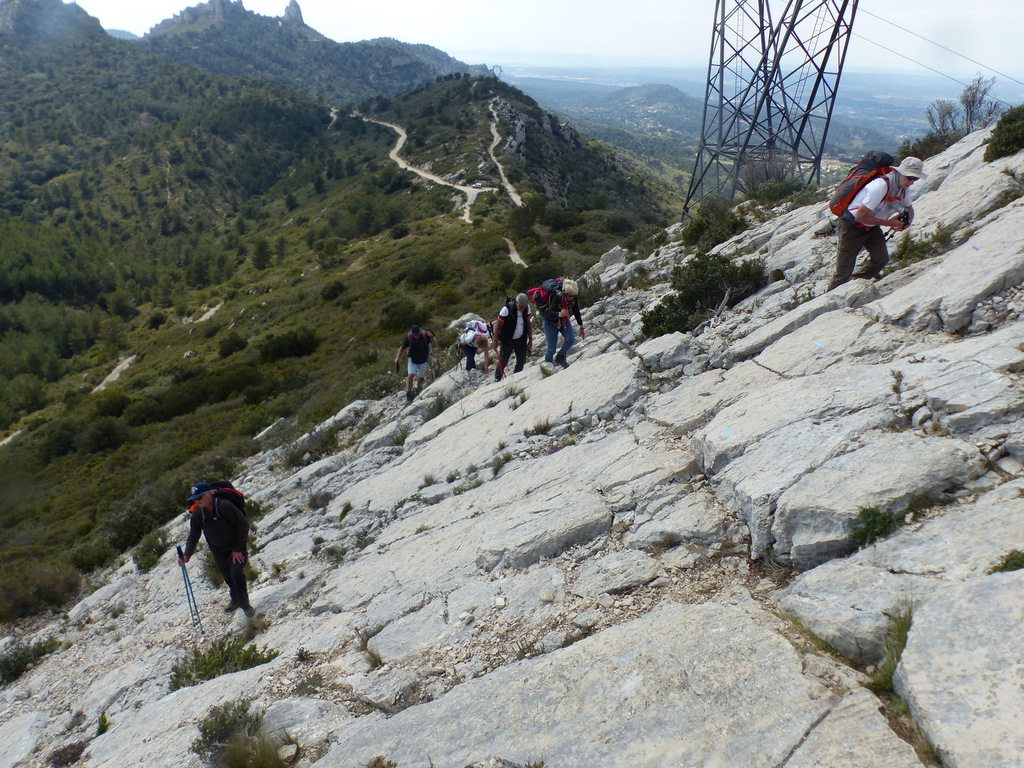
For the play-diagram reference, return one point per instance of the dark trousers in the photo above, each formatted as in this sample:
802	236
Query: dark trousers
469	352
234	575
518	346
853	239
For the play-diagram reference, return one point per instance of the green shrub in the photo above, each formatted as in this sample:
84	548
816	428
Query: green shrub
29	589
424	272
298	343
233	342
874	524
701	285
1008	135
927	146
778	190
232	736
715	222
332	290
1011	561
219	657
147	553
91	554
19	657
399	315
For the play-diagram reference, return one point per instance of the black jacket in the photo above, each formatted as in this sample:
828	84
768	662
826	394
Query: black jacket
225	528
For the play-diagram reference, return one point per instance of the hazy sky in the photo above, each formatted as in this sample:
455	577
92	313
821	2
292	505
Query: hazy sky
650	32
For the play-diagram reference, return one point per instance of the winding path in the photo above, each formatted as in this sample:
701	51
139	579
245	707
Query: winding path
470	192
501	169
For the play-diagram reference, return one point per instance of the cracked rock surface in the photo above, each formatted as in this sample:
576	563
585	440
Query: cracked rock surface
634	561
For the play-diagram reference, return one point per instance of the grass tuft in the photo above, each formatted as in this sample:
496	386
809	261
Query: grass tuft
1011	561
222	656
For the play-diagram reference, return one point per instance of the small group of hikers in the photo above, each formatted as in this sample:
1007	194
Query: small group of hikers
557	302
874	195
218	509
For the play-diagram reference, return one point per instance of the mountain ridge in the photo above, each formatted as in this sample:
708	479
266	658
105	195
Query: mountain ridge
222	36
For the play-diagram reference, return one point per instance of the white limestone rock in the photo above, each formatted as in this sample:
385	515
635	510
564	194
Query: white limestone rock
964	683
680	686
614	573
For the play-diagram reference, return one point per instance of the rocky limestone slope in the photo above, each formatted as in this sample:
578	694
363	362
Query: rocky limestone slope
612	566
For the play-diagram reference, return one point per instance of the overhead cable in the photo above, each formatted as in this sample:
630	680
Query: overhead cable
940	45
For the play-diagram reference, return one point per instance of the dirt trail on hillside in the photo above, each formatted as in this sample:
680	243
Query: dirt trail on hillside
501	169
470	192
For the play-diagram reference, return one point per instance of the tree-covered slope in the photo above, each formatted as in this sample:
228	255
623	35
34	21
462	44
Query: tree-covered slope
252	255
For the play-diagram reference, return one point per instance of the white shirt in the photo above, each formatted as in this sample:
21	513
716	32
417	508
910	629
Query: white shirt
503	314
872	196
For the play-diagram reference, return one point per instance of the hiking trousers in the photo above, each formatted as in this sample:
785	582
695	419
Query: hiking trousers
517	346
234	575
551	336
853	239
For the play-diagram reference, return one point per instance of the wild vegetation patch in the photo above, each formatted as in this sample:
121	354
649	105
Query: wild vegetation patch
219	657
701	285
16	660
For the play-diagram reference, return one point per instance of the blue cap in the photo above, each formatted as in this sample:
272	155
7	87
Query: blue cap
198	490
415	330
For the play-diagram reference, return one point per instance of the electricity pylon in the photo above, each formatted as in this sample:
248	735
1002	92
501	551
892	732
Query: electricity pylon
770	92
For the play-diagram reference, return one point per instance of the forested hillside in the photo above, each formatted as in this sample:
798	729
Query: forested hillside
223	37
252	255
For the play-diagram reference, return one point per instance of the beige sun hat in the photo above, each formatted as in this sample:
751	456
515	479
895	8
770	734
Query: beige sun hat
912	166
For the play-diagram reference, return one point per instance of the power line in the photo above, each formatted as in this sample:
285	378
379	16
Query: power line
921	64
939	45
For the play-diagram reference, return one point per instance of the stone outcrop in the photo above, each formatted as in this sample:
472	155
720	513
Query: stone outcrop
46	20
636	560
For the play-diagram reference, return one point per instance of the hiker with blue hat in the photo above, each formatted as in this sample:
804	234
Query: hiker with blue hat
226	531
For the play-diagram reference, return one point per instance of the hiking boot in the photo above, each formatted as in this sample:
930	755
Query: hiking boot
560	360
231	607
249	611
408	395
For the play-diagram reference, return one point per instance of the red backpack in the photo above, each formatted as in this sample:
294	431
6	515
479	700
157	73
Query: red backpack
871	166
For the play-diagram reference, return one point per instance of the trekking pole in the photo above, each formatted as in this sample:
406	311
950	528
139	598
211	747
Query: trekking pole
190	596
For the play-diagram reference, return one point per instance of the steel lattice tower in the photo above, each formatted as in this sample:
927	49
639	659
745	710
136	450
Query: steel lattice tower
770	92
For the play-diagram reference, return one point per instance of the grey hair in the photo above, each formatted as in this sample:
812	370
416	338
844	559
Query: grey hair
522	298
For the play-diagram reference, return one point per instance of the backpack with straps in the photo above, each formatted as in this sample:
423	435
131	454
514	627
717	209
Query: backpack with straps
873	165
541	296
223	489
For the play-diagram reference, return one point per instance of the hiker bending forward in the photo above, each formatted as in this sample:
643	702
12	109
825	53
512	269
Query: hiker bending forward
555	316
227	533
514	333
878	204
476	338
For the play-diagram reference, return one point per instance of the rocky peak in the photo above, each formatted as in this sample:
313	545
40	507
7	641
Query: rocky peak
214	11
293	12
45	19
